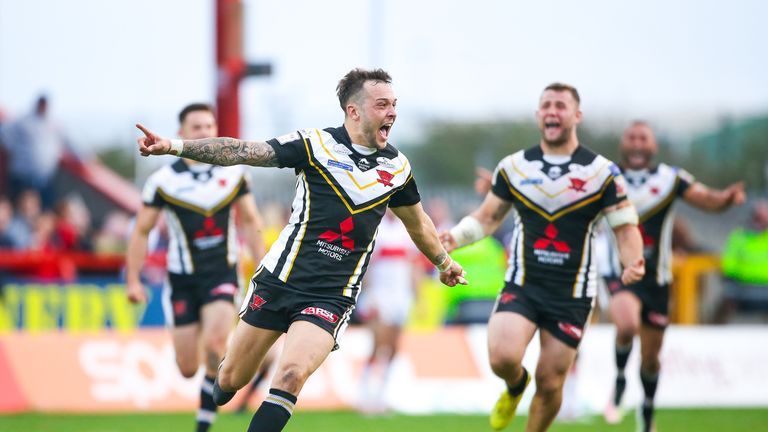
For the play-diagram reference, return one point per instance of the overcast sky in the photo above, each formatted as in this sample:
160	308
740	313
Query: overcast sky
108	64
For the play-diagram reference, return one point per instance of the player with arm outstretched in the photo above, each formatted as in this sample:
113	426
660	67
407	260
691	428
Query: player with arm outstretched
642	308
199	201
307	284
560	190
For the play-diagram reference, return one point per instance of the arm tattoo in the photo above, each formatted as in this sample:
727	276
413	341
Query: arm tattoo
230	151
440	258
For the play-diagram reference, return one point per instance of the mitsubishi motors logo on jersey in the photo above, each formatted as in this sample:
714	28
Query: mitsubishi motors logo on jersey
551	240
384	178
209	236
550	250
344	227
327	241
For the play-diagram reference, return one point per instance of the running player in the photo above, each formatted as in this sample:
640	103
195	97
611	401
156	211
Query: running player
643	307
560	190
308	282
199	201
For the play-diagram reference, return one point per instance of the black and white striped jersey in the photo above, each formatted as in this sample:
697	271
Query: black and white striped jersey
558	201
341	196
653	192
197	200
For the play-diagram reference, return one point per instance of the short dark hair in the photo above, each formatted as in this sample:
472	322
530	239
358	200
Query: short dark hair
353	81
560	87
197	106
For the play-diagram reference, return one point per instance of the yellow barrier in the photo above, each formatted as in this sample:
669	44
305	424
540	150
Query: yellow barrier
687	271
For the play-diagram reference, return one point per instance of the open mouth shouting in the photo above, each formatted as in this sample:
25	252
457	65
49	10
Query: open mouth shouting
384	131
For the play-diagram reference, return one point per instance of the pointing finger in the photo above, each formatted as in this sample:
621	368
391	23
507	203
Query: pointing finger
143	129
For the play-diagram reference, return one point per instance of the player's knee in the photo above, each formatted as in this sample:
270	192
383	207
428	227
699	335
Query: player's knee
627	329
229	381
650	364
291	377
216	344
549	384
504	365
187	369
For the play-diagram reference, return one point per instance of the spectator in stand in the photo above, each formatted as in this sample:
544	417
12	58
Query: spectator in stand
112	237
745	265
22	226
6	216
35	146
73	224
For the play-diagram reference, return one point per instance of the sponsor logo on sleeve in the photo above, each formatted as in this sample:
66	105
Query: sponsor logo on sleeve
284	139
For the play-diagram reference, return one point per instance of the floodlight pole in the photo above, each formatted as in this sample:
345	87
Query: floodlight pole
231	68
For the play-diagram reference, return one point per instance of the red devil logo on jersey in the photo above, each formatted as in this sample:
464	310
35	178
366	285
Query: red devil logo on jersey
384	178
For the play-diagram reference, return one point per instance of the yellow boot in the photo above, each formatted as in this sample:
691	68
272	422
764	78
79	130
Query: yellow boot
505	408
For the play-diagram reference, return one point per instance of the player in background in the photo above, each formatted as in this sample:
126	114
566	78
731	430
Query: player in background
642	308
199	201
390	287
307	284
560	190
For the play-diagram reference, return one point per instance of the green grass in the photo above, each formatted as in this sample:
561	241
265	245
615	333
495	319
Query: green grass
751	420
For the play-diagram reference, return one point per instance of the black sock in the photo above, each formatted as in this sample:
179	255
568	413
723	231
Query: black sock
622	355
207	412
220	397
520	386
650	382
274	412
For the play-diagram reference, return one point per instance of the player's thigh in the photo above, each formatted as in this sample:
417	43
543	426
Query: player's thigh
218	319
306	347
509	333
651	339
185	344
555	359
246	351
625	308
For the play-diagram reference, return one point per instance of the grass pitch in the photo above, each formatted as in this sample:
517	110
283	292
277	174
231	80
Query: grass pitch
751	420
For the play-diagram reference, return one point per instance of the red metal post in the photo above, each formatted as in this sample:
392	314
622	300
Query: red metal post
230	65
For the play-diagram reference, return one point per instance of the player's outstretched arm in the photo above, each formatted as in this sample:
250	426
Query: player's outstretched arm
424	235
623	220
217	151
482	222
714	200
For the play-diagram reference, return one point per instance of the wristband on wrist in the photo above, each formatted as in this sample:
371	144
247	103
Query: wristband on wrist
445	265
177	146
468	230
